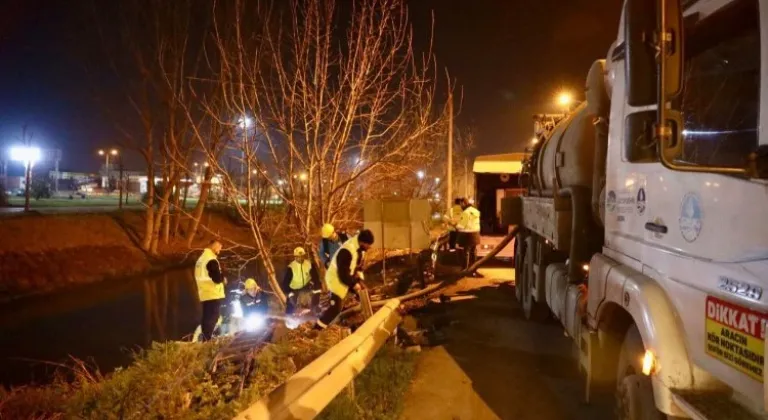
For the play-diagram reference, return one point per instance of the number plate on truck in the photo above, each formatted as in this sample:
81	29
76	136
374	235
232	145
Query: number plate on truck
735	336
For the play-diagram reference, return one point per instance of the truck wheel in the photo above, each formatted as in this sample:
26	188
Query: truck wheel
533	310
634	392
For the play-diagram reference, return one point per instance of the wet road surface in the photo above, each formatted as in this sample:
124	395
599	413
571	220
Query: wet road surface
521	370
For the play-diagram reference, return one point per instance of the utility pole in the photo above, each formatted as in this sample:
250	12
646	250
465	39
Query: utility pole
449	177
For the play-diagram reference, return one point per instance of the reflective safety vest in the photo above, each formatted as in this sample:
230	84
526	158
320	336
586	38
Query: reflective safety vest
454	215
206	288
470	220
332	279
300	274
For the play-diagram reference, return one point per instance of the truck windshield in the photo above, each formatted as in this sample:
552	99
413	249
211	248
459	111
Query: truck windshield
721	86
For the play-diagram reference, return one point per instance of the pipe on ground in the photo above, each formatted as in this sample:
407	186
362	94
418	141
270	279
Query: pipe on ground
447	282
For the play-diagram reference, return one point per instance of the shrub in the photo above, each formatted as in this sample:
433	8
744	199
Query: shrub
168	380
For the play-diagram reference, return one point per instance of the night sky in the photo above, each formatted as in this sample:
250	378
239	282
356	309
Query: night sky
509	57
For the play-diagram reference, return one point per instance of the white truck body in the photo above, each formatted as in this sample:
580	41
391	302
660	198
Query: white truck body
684	254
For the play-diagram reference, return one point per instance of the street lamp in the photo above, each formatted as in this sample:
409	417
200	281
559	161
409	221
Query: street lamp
28	156
420	174
102	152
437	180
565	99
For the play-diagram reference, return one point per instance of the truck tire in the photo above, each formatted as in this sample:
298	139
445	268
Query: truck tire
533	310
634	392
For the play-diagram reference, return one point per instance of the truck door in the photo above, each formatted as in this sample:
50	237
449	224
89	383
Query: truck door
703	236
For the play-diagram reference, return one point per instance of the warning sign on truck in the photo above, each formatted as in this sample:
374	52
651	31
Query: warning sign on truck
735	336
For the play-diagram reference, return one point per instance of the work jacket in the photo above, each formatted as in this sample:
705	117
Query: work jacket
470	220
254	304
340	276
208	288
454	215
327	249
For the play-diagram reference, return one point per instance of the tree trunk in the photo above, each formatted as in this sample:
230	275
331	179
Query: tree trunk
180	209
273	283
149	223
163	213
197	214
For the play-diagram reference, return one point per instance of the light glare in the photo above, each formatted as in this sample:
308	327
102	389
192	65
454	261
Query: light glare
25	154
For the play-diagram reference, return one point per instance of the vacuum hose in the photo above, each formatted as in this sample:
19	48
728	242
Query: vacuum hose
447	282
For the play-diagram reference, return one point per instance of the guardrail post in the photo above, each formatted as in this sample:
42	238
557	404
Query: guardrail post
350	390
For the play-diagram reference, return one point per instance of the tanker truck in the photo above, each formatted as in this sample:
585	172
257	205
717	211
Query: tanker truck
643	229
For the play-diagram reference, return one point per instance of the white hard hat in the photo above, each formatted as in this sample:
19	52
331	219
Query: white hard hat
299	252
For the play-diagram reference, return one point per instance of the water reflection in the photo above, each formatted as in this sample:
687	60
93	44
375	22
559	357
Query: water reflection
102	324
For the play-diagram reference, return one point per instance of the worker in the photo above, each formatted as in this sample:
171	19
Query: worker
452	219
254	300
344	274
330	243
469	233
300	278
210	287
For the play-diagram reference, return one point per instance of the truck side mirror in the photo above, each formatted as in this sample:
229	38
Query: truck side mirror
673	65
640	62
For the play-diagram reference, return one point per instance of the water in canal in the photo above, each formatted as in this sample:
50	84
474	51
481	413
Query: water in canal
100	323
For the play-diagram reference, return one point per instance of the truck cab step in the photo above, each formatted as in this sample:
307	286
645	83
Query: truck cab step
713	406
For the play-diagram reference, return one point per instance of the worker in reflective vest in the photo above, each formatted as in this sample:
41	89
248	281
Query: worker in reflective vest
452	219
330	243
210	287
344	274
300	278
469	233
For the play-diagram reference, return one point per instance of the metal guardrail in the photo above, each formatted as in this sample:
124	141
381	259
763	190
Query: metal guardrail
309	390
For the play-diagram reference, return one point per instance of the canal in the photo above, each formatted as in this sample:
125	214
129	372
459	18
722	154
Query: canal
101	324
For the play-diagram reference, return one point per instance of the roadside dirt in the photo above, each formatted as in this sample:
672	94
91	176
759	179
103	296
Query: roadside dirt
43	253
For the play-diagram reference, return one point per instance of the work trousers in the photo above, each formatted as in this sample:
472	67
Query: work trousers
330	314
452	237
211	311
469	256
298	299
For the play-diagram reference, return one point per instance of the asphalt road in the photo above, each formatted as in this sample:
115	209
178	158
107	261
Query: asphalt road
520	370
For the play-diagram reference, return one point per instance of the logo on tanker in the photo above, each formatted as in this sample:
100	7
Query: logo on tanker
691	217
610	201
641	201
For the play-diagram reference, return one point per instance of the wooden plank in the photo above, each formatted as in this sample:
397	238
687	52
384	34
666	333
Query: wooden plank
365	302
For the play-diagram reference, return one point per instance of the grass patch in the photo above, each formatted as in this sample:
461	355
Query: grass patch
379	389
169	380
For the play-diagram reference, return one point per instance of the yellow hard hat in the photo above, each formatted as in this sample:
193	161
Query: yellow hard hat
299	252
250	284
327	230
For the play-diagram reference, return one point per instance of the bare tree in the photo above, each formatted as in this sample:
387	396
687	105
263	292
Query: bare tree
323	107
157	55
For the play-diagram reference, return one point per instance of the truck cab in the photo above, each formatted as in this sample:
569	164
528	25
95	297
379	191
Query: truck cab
643	227
496	177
